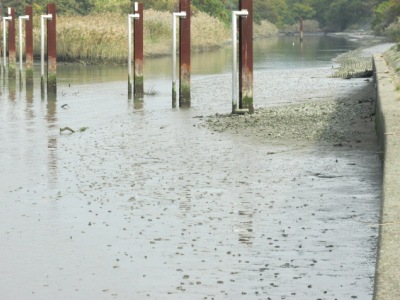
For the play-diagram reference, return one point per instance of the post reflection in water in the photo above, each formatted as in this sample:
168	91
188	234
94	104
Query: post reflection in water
42	90
52	139
2	78
138	103
29	100
137	100
29	91
12	86
244	227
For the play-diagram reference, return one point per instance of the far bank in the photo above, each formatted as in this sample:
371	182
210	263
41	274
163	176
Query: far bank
102	38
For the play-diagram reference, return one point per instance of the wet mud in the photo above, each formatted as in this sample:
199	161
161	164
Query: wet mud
149	202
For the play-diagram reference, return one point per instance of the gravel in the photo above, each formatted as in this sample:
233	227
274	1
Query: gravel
339	121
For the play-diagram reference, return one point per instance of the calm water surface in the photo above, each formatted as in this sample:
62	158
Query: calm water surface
271	54
144	204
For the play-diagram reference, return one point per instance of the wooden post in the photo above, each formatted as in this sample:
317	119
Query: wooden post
29	44
12	54
246	57
184	54
51	50
175	15
138	52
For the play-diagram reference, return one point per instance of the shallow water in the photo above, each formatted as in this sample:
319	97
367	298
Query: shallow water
146	204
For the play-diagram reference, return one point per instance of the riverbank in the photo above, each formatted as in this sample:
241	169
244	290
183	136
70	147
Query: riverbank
345	120
357	62
102	38
348	121
339	118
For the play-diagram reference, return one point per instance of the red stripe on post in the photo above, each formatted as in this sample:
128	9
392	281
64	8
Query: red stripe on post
246	57
138	52
29	43
51	49
12	58
184	55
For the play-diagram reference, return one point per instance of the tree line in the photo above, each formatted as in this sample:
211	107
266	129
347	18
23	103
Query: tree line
332	15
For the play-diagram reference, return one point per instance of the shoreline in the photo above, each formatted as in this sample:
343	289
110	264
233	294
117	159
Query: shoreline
102	38
344	120
366	117
330	120
367	42
199	49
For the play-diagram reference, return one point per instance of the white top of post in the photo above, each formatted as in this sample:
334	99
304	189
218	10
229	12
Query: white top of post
5	19
181	14
42	17
130	17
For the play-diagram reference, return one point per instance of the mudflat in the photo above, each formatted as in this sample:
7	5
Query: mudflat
158	203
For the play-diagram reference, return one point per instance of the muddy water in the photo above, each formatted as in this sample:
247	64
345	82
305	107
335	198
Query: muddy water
146	204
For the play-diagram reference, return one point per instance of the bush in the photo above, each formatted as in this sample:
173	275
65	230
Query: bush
264	29
393	30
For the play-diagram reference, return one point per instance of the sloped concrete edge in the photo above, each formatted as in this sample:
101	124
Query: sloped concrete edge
387	277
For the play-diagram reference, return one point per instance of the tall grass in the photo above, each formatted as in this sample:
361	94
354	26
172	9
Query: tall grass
95	38
102	37
207	32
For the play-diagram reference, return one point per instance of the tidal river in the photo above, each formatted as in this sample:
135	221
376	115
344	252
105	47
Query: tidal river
144	201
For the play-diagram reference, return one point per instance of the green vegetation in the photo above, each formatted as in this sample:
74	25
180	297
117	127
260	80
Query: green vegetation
95	30
387	18
392	58
63	6
393	30
332	15
102	37
386	12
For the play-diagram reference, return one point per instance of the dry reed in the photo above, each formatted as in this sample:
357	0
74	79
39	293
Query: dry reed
102	37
